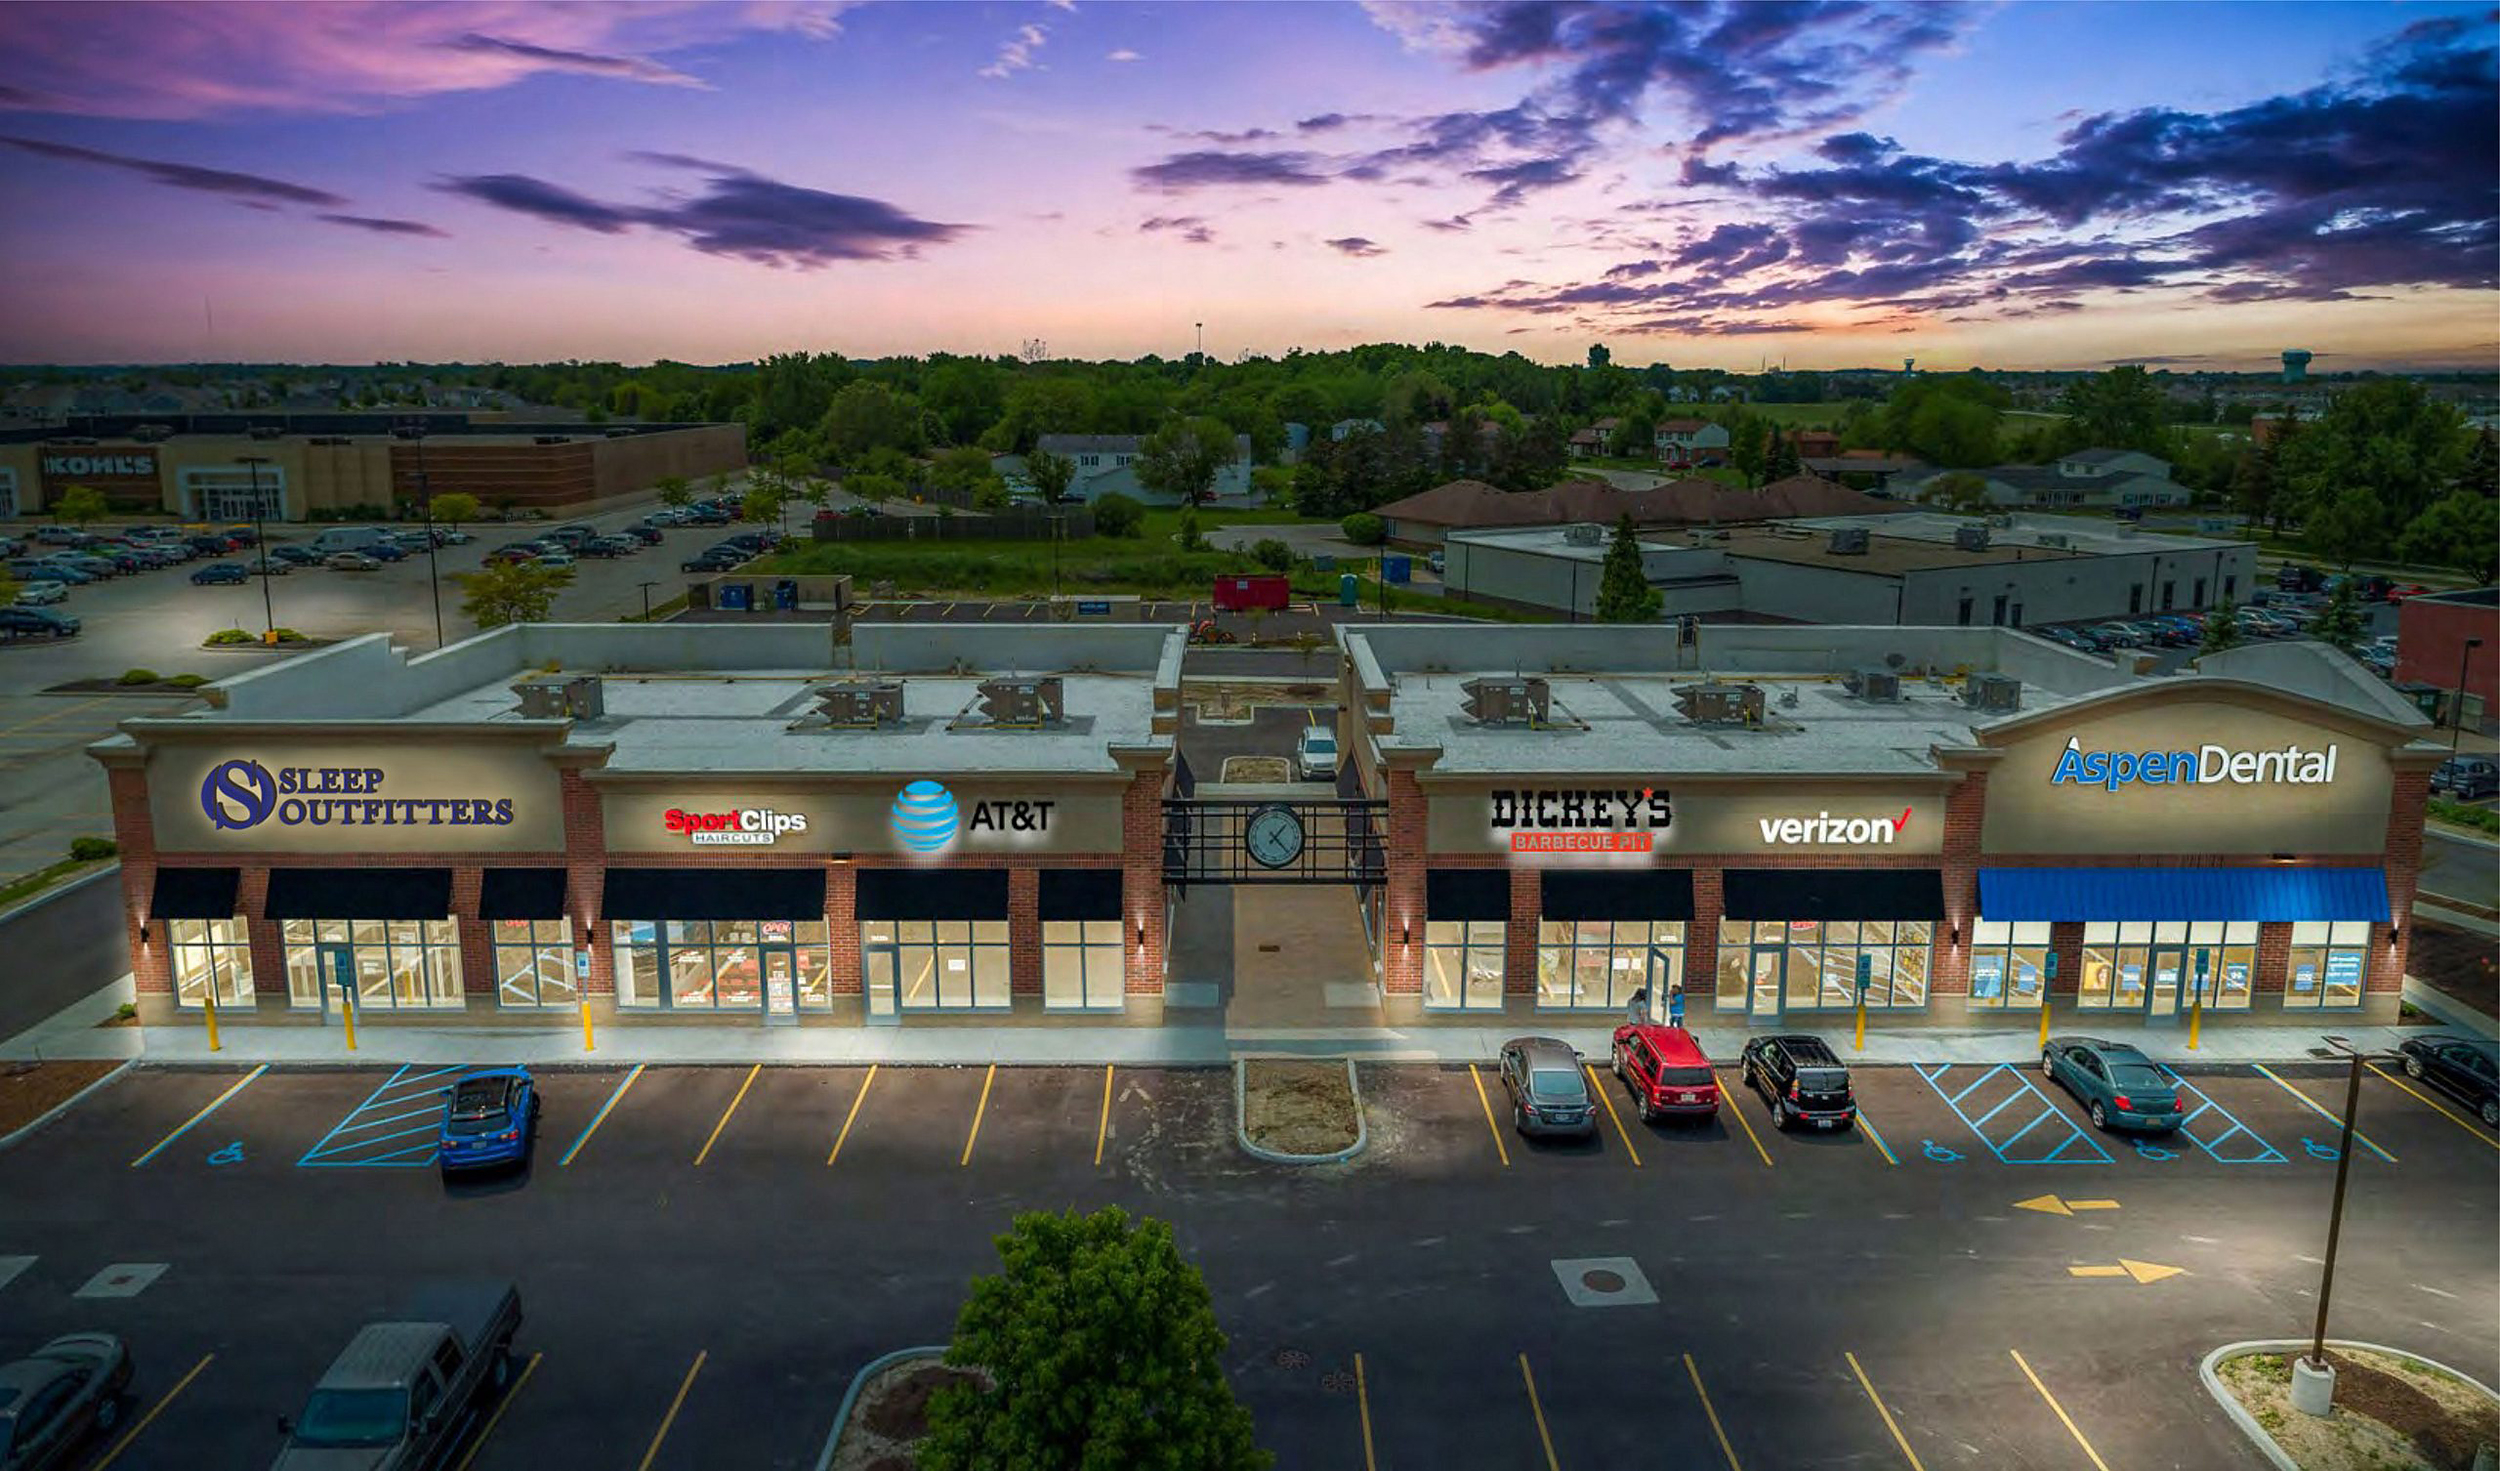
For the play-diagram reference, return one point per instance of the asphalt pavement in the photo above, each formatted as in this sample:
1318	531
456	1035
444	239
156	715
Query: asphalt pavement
706	1255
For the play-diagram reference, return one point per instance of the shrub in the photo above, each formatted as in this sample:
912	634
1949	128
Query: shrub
1119	515
1363	529
228	637
138	676
187	681
289	636
88	850
2485	818
1268	552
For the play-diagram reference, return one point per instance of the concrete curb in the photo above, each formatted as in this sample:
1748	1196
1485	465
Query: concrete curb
65	1105
2247	1422
58	891
1241	1130
2424	997
859	1381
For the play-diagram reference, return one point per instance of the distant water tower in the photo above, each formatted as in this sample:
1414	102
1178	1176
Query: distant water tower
1908	366
2296	365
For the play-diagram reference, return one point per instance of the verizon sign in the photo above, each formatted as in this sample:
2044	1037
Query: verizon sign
1824	828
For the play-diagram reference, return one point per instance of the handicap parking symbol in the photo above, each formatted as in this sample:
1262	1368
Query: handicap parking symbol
1938	1152
2154	1151
2317	1150
232	1154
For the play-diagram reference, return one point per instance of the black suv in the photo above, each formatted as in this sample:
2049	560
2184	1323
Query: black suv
1801	1080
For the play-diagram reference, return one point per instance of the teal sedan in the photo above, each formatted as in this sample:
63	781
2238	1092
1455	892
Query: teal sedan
2118	1086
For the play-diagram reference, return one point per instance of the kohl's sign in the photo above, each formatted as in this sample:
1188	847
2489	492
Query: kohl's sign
2203	766
115	464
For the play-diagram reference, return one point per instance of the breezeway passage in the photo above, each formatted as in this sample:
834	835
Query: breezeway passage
1308	1269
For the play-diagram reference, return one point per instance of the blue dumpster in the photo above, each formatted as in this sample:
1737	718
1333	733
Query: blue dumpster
738	597
1323	562
786	594
1349	590
1397	569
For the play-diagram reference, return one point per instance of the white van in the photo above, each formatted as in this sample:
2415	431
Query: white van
348	539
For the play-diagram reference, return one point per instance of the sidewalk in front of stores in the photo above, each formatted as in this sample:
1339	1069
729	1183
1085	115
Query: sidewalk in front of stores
73	1033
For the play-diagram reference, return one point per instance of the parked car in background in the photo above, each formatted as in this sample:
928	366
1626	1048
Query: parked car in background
2069	638
99	567
2112	635
220	572
1315	755
555	559
647	535
269	567
51	572
55	1399
2467	778
2403	591
351	562
386	549
2299	577
300	556
30	622
490	1121
2465	1066
711	561
2117	1084
1666	1071
62	536
1548	1092
36	594
1801	1080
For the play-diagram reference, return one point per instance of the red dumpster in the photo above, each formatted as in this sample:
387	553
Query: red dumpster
1241	594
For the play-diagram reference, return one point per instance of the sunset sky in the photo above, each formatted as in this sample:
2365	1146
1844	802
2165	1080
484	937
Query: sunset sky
2021	185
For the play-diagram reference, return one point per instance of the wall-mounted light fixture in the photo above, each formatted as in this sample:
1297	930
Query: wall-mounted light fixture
2395	933
2281	858
843	856
1406	933
1141	933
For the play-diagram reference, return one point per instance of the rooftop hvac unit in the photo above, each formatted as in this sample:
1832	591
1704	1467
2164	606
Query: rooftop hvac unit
862	704
1023	704
1720	704
575	697
1519	700
2056	539
1971	538
1996	693
1848	541
266	432
552	439
1874	684
153	433
1709	536
1584	534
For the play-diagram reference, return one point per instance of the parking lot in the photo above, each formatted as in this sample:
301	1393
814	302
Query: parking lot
707	1254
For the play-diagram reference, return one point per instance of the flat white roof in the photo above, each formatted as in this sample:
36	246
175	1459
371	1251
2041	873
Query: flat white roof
2083	534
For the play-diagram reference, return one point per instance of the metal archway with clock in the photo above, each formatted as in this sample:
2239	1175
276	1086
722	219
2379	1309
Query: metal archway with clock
1267	840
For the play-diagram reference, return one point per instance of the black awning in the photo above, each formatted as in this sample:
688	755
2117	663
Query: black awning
1646	893
359	893
934	893
1078	893
1833	893
522	893
1467	893
194	893
714	893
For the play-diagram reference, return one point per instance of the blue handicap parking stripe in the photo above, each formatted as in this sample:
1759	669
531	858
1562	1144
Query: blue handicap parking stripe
2217	1131
2065	1142
351	1142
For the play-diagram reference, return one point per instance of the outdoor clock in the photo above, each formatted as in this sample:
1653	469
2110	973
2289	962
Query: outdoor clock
1274	836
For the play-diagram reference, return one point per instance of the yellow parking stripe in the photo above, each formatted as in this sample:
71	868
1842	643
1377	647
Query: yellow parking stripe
1728	1103
847	1119
979	1109
1363	1407
154	1410
1607	1099
1499	1147
1716	1428
214	1104
1898	1438
496	1418
2062	1416
705	1152
674	1406
2320	1109
601	1117
2445	1111
1538	1410
1102	1131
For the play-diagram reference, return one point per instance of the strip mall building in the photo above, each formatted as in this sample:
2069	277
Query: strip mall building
996	826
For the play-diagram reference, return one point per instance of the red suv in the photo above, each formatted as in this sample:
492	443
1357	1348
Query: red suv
1666	1072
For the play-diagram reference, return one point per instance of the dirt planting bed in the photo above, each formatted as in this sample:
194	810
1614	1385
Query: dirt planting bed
1295	1107
2391	1413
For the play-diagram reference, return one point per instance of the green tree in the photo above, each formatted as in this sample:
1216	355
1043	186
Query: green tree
1274	555
2120	409
1191	539
966	471
1747	446
873	487
1182	458
1363	529
2338	624
1961	491
1599	357
511	592
2222	629
868	415
8	587
1118	515
1635	436
1781	460
2460	530
2380	456
2481	474
1050	473
1101	1343
2348	523
1623	591
455	506
765	497
1947	419
79	504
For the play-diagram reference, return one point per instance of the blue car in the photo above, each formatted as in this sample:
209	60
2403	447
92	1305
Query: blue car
490	1120
385	550
220	572
2117	1085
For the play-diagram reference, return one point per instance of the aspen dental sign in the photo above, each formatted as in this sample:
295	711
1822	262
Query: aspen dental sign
2205	765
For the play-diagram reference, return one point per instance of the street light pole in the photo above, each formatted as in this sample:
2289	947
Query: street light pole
2457	725
646	600
260	543
433	557
2335	1219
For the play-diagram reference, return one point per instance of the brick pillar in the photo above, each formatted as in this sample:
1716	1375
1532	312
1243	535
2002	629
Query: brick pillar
2386	972
1142	937
151	963
267	937
1949	968
2066	943
477	937
1402	913
586	869
1519	937
2274	959
842	927
1701	942
1024	930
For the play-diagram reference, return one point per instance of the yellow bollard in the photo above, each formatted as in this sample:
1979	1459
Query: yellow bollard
347	1009
2044	1021
1861	1043
586	1042
208	1000
2196	1017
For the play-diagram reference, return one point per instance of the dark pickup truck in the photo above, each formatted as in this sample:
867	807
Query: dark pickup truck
405	1392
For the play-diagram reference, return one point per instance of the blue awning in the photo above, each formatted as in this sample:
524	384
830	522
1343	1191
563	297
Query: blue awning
2284	893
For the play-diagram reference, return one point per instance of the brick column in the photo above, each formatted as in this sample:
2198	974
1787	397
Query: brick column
842	927
2274	959
586	868
1519	937
134	833
1141	884
1949	968
1701	942
1402	913
267	937
2386	972
477	937
1024	930
2066	943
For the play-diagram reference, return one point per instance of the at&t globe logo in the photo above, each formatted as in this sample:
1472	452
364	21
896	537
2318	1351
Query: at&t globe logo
239	795
924	817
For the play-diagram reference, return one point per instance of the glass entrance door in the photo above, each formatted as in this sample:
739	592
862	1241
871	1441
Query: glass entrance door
781	971
1769	968
879	963
338	977
2169	966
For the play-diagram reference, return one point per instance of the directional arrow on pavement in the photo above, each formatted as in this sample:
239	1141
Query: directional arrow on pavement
2140	1271
2051	1205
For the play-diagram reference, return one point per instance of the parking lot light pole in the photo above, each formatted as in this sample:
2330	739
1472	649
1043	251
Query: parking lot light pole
433	559
646	600
260	544
2321	1398
2456	727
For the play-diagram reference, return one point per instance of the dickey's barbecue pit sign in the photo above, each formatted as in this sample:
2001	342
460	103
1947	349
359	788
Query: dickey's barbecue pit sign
1558	823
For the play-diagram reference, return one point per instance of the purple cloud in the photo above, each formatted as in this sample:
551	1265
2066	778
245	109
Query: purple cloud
183	175
589	63
1204	169
1191	228
1356	246
381	226
553	203
740	214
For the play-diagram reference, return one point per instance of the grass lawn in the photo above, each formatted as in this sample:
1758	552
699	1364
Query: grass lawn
1795	416
26	886
1150	563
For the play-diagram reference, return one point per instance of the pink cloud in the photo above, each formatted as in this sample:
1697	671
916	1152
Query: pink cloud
200	58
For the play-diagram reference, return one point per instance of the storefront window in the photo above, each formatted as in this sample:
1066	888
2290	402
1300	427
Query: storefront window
939	965
1596	964
1812	965
534	962
1081	964
2147	966
396	963
211	958
721	965
1463	964
2328	961
2009	964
